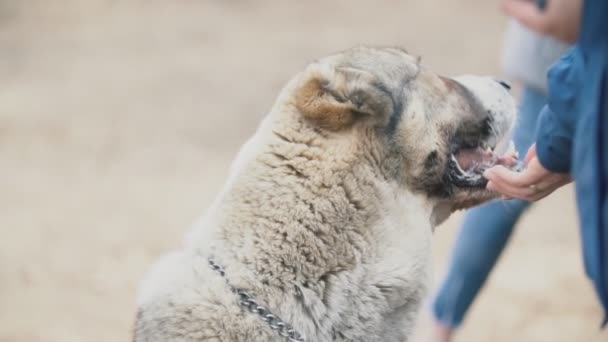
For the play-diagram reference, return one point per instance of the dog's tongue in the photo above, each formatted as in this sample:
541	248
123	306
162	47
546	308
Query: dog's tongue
469	158
472	158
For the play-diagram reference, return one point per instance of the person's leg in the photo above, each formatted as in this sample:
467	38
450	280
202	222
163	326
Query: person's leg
483	235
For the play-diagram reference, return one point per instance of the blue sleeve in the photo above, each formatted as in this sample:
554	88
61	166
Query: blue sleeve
554	142
555	127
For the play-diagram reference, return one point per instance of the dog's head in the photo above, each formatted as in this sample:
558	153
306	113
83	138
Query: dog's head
434	134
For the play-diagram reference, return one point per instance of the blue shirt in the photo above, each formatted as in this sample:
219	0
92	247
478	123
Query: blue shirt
573	136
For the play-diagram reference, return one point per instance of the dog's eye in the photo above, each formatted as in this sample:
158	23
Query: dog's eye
432	160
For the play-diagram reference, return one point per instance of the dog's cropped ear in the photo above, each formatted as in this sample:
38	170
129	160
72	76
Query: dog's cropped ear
334	98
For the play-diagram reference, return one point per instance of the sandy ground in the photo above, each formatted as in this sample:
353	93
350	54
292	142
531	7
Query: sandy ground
118	120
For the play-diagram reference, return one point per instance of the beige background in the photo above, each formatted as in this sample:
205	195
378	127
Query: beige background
118	120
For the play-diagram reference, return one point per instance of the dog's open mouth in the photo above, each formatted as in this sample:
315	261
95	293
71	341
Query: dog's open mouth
467	164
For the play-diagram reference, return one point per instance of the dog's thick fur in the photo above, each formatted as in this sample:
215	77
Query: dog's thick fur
328	212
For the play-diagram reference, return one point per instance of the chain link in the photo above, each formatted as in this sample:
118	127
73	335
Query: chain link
248	302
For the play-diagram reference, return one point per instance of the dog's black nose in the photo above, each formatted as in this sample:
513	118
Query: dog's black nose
505	85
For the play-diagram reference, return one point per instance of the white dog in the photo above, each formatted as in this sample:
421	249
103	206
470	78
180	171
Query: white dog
322	232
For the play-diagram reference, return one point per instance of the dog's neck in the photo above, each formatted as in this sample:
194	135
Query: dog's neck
299	210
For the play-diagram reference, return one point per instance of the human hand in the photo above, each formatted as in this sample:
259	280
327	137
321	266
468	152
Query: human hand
559	19
532	184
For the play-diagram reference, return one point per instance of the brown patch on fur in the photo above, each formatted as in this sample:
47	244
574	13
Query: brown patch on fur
335	100
318	106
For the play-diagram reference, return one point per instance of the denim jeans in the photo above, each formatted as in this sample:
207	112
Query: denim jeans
485	231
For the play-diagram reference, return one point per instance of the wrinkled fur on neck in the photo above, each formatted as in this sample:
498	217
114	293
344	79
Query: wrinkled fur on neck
302	209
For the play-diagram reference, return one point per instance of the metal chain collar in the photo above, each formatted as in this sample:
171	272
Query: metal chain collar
246	301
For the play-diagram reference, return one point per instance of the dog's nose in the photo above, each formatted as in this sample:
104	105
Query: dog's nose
504	84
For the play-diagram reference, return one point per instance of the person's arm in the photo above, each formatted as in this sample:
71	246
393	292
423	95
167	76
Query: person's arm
555	126
559	18
554	142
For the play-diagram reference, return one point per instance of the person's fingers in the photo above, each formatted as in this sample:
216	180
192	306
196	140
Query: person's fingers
534	192
524	185
525	11
500	174
532	184
530	154
509	191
